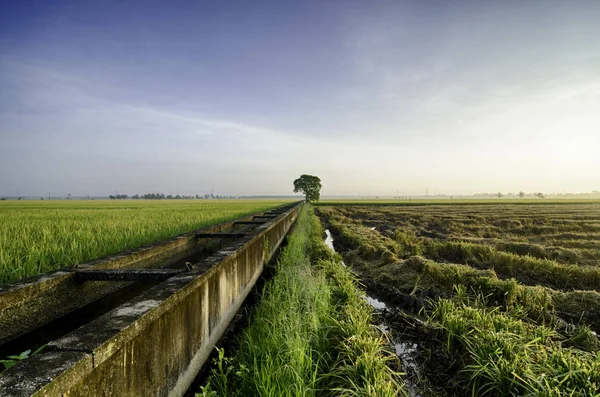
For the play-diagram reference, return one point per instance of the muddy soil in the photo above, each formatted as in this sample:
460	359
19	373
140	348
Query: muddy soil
396	314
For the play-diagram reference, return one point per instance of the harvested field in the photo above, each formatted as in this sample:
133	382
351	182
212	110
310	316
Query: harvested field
507	295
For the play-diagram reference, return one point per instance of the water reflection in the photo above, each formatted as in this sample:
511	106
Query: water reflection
376	303
329	240
406	351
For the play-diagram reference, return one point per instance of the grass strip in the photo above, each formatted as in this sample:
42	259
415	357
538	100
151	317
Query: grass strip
311	333
525	268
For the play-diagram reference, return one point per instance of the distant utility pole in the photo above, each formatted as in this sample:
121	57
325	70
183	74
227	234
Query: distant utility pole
427	192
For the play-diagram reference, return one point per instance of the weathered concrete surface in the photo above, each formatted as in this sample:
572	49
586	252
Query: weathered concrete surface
220	235
126	274
25	381
35	301
155	344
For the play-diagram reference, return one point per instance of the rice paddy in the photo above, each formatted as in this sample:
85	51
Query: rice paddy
38	236
502	299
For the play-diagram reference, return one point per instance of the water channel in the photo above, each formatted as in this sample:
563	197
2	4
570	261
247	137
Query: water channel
405	350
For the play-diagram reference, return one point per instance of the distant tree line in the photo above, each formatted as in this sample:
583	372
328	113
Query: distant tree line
162	196
500	195
118	196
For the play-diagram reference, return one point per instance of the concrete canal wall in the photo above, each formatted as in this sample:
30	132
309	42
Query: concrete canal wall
37	300
155	344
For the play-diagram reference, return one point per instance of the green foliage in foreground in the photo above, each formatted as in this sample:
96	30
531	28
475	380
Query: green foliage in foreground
504	355
45	235
13	360
311	333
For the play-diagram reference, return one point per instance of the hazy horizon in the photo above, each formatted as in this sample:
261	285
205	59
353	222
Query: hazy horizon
380	98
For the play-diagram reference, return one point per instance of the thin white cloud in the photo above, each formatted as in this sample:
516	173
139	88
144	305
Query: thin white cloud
452	101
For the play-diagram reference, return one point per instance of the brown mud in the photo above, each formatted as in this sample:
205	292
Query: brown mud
397	315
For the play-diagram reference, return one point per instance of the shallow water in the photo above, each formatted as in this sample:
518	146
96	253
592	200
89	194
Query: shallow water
329	243
329	240
376	303
405	350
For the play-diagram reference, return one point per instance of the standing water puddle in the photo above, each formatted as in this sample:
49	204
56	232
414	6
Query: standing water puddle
405	350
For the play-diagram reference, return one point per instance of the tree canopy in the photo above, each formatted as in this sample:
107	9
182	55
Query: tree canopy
310	185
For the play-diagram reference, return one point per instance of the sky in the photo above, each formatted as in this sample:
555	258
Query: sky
240	98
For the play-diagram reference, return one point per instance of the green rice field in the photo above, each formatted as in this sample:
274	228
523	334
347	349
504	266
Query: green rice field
501	299
38	236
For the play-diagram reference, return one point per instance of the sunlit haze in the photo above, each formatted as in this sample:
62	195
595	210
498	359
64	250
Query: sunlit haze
375	98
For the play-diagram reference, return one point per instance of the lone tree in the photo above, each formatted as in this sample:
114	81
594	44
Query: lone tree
309	185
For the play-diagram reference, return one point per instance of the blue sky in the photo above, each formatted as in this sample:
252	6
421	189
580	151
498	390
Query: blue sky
242	97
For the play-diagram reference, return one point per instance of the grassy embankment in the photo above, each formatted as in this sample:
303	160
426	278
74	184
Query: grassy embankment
311	333
504	337
38	236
